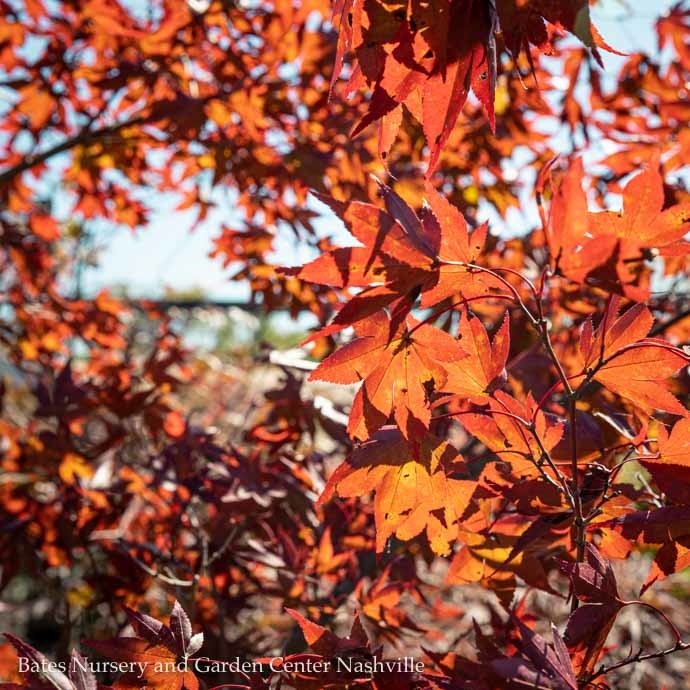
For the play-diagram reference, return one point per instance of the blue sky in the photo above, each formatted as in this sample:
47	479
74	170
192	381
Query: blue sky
166	253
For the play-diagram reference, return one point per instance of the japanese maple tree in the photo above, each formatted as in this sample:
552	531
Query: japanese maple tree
481	457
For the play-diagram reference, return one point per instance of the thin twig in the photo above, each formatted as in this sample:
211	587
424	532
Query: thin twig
86	136
635	658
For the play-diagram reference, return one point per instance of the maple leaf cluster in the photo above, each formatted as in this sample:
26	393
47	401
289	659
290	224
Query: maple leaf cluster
494	401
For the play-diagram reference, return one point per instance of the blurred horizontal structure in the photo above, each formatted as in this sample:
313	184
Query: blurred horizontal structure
201	303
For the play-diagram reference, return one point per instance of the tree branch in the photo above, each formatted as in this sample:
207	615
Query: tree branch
661	328
86	136
635	658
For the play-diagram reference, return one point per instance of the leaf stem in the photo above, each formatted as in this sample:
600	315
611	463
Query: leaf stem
439	312
661	614
511	288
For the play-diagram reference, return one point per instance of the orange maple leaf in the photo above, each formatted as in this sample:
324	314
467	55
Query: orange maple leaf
432	252
500	431
396	369
671	469
412	494
574	252
619	356
160	652
642	220
159	664
483	369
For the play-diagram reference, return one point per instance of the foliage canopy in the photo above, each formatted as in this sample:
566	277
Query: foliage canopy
517	421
